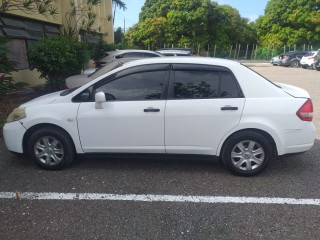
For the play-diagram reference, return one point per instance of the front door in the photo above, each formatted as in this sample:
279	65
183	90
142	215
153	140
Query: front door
132	118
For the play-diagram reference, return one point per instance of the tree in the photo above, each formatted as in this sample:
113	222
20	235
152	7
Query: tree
58	58
290	22
118	35
189	22
44	7
117	3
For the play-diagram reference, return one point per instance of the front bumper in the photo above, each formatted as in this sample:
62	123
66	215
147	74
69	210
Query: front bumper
13	136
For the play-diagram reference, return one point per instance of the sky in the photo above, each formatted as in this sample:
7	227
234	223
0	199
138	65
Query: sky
251	9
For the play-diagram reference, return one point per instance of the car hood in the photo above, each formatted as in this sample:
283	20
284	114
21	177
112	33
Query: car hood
293	90
45	99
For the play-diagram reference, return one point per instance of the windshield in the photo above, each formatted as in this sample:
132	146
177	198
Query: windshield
105	69
68	91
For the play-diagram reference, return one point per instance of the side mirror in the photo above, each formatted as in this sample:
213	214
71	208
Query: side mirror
100	98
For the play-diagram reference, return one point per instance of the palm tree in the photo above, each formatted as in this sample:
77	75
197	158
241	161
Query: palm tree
120	4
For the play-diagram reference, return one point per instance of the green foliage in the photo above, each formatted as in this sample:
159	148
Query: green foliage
58	58
190	22
290	22
6	67
43	7
118	36
98	49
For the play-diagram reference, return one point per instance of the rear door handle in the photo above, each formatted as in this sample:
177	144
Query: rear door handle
229	108
151	110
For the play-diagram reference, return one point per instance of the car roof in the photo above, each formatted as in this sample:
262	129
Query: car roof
185	60
129	50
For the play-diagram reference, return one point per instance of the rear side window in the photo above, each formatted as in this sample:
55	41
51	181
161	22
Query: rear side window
205	84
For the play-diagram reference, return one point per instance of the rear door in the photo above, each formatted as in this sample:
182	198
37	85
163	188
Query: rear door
204	103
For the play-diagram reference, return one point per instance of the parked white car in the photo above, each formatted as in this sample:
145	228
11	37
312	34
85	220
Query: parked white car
92	73
308	60
195	106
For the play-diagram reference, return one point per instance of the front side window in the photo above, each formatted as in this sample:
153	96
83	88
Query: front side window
134	87
204	84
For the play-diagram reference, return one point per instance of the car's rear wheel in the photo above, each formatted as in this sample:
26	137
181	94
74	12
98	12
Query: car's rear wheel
294	63
51	148
247	153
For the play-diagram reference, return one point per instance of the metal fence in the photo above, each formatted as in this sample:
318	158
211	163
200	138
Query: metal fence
239	51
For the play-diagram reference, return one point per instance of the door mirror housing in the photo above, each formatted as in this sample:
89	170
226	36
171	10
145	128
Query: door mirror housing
100	98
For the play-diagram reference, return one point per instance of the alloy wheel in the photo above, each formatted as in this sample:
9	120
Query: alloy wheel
247	155
49	150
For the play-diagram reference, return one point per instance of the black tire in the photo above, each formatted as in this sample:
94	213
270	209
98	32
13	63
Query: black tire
318	68
304	66
257	151
294	63
51	148
312	67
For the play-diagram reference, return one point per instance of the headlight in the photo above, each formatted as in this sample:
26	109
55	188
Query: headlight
16	115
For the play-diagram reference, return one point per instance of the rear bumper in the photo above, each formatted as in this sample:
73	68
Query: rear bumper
297	141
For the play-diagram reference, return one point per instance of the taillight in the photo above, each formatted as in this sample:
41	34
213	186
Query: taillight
305	113
310	57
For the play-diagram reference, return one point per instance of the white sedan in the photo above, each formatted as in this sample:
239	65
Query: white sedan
195	106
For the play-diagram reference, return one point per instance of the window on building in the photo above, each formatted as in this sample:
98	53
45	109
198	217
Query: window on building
24	34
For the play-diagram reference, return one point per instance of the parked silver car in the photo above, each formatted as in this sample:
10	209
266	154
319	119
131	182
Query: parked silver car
127	53
176	52
88	75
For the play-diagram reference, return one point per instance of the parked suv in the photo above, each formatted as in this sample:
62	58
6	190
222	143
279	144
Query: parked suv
291	58
308	60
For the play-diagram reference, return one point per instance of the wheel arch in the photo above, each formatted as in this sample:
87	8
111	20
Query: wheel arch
36	127
263	133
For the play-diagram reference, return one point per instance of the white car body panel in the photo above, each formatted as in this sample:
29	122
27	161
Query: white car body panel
196	126
60	112
122	127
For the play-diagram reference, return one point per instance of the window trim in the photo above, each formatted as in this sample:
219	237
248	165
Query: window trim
129	71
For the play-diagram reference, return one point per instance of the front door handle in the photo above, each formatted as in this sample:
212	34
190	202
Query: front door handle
151	110
229	108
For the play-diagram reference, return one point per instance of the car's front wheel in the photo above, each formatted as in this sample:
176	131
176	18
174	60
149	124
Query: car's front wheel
247	153
51	148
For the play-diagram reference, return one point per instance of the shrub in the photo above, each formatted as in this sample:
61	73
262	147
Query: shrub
98	49
58	58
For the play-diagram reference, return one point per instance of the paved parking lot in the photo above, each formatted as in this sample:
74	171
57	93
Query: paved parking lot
142	198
